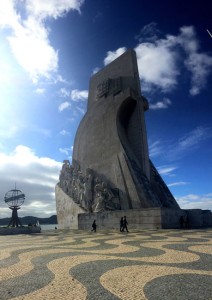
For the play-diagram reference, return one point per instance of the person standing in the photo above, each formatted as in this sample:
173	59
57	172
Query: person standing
181	222
187	221
94	226
125	223
121	224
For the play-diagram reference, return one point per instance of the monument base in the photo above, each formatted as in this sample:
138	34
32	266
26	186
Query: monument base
149	218
71	216
67	210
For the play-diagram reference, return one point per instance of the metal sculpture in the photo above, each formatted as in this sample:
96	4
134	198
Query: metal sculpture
14	199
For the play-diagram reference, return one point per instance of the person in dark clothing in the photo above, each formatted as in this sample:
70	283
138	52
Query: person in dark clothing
121	224
187	221
181	222
125	223
94	226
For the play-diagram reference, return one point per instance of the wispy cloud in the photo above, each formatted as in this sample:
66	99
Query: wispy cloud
10	131
111	55
97	16
167	170
95	70
77	95
174	150
35	176
44	132
67	151
165	103
192	201
199	64
64	106
64	93
193	139
149	33
29	34
81	110
64	132
178	183
155	148
64	150
40	91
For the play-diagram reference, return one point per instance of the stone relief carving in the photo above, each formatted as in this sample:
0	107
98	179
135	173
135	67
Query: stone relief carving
88	191
108	87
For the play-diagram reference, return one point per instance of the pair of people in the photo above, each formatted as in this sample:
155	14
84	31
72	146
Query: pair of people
123	224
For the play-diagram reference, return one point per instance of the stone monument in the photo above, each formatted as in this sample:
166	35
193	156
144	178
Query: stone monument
111	172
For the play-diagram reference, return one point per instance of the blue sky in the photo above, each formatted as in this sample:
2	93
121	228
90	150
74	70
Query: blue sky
48	51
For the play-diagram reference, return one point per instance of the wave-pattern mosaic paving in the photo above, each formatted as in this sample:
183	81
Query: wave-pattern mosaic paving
153	265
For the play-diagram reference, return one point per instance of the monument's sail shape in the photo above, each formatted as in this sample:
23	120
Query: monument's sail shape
111	139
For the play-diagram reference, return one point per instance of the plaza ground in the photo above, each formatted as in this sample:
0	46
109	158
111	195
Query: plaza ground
147	264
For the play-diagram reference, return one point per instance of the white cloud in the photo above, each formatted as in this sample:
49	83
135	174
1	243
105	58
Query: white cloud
193	138
155	148
166	170
192	201
64	106
77	95
95	70
52	8
35	176
81	110
157	65
175	150
200	66
111	55
29	36
165	103
40	91
209	33
64	132
66	151
45	132
9	132
178	183
148	33
163	56
64	93
161	60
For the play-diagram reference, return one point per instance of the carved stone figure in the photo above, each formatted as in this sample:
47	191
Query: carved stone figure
88	189
99	198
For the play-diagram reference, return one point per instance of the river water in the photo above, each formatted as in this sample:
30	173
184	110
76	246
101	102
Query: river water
48	226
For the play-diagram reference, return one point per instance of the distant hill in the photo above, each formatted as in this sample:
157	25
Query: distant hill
31	219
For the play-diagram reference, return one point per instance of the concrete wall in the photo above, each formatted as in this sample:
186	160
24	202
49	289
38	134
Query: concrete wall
149	218
171	217
207	218
198	218
67	210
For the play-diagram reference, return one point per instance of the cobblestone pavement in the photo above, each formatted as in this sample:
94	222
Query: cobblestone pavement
153	265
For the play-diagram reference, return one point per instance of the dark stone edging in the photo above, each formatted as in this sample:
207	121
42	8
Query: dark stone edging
19	230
